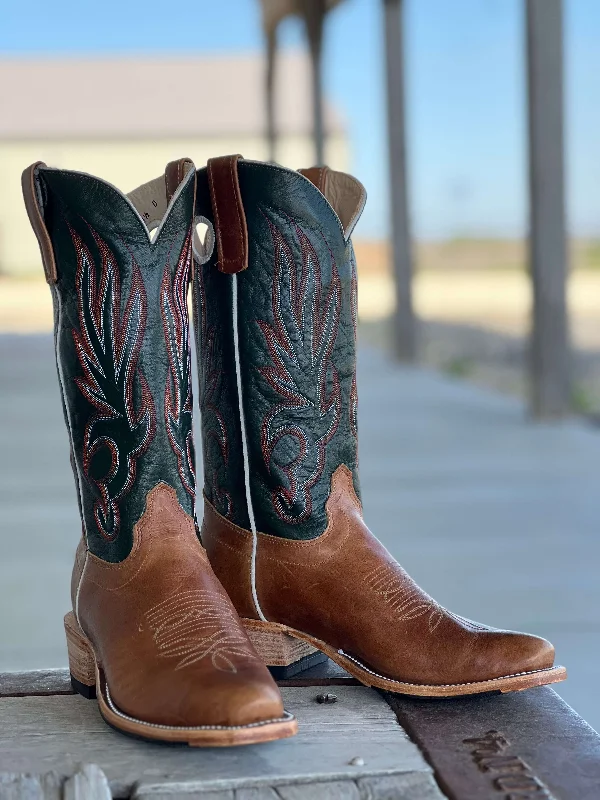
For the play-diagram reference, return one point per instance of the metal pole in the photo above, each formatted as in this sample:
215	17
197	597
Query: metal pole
404	337
550	351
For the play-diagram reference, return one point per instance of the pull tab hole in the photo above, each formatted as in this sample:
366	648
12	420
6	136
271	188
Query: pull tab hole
202	232
204	239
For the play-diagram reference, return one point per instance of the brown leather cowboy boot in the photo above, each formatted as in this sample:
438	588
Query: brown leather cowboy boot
152	632
283	523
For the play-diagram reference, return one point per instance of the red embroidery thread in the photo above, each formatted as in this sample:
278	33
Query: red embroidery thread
108	346
178	391
213	421
300	342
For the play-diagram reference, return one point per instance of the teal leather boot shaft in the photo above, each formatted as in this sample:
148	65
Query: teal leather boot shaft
121	335
291	391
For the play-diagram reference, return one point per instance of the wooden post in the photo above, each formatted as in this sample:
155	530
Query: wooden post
314	17
404	338
550	356
271	36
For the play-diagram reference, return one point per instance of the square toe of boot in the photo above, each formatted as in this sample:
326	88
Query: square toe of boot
503	653
240	699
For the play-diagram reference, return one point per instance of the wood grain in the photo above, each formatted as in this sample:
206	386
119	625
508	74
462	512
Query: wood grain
57	681
37	682
334	790
411	786
407	786
477	744
38	734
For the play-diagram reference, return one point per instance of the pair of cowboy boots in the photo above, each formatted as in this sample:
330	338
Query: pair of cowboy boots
172	627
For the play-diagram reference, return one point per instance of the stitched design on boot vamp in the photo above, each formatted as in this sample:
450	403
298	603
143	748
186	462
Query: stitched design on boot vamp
198	624
404	597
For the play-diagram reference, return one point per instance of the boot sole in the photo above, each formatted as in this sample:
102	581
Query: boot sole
88	680
270	638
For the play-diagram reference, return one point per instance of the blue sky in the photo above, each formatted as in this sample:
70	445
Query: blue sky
465	87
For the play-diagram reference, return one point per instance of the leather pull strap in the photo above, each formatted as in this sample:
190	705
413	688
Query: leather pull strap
316	175
175	172
229	217
29	183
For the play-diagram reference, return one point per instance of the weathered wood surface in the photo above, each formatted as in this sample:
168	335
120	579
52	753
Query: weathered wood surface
409	786
58	681
40	734
35	682
471	743
529	743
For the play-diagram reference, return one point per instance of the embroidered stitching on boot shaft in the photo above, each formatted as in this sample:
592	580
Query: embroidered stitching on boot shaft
178	392
108	345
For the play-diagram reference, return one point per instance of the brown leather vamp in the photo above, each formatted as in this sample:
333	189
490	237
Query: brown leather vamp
164	632
345	589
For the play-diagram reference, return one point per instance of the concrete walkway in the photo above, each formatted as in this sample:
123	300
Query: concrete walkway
497	518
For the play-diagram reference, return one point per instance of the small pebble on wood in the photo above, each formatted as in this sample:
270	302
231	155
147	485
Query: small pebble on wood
357	762
327	698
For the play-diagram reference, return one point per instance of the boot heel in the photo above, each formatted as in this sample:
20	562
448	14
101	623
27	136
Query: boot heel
285	655
82	664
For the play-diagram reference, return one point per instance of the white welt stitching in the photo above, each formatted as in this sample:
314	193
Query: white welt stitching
442	685
286	718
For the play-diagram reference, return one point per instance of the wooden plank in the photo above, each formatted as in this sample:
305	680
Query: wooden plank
408	786
550	360
333	790
88	783
412	786
58	681
404	328
42	733
483	745
257	793
325	674
35	682
179	792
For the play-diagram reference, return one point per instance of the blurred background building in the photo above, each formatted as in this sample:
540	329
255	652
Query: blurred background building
125	118
107	93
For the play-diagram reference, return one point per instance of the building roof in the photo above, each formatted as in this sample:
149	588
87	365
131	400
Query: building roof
152	97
